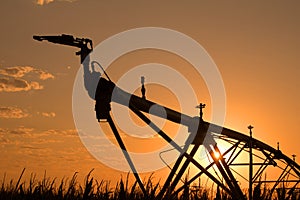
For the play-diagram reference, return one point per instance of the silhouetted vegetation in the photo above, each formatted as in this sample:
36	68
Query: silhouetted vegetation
91	189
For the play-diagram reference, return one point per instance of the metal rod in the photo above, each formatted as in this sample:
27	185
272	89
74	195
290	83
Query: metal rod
124	98
250	164
263	166
292	190
247	164
237	154
125	152
184	167
282	175
206	168
273	181
176	146
169	140
235	148
237	193
236	187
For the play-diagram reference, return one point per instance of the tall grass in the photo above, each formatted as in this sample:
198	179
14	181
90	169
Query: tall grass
92	189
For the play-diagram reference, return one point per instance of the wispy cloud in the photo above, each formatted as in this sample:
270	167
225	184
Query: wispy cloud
17	72
65	133
21	130
21	71
12	79
24	144
43	2
37	136
10	84
31	132
12	113
48	114
44	75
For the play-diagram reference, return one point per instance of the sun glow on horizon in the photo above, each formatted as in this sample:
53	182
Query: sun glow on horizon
217	155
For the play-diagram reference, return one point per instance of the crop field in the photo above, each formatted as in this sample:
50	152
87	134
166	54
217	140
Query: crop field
92	189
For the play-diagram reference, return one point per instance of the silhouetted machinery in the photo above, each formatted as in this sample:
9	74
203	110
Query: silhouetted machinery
222	170
85	45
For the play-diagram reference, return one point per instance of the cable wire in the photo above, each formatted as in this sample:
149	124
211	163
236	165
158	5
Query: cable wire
95	62
161	158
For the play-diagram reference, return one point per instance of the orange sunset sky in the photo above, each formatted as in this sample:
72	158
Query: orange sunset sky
255	45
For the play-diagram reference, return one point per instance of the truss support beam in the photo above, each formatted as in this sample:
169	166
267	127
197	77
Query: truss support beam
125	152
183	154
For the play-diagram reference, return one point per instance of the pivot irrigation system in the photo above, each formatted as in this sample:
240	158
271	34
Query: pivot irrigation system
225	170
